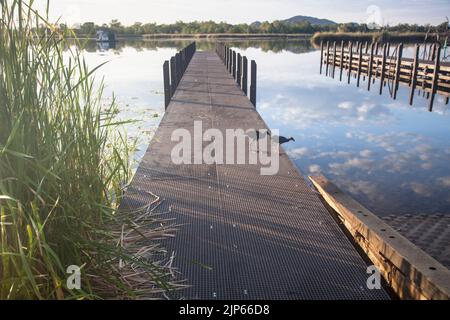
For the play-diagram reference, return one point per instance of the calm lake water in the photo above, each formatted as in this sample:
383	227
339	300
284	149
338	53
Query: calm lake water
392	157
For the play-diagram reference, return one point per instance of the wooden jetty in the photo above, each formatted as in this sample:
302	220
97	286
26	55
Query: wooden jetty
241	235
376	62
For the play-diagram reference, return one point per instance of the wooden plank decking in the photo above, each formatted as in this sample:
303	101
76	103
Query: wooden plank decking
242	235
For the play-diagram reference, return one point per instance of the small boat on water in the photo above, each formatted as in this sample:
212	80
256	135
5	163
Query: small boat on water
105	36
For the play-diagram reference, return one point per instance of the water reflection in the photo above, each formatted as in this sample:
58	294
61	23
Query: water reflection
392	157
106	46
426	77
274	46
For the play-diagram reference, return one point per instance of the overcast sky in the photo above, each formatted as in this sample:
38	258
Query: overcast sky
236	11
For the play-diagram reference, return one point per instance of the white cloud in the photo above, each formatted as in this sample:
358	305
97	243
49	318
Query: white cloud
420	189
345	105
315	168
444	181
366	153
298	152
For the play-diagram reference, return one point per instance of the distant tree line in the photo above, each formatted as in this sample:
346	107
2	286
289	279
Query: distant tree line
209	27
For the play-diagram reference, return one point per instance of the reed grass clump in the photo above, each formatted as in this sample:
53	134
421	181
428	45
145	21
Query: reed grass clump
64	161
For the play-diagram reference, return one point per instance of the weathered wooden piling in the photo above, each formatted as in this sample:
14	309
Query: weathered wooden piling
183	61
253	83
397	69
166	78
383	67
359	65
230	62
342	61
179	68
327	58
321	56
369	69
173	84
377	61
334	59
239	69
244	81
234	64
413	80
350	61
435	74
226	56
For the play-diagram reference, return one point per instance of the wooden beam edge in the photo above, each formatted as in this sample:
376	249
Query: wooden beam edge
411	272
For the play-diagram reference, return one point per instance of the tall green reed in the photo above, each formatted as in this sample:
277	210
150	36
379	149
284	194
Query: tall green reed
63	163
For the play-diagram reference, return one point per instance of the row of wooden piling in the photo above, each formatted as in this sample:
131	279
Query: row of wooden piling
377	61
174	69
237	66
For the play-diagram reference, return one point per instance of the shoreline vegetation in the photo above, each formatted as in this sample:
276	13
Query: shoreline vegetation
204	36
268	30
316	38
64	166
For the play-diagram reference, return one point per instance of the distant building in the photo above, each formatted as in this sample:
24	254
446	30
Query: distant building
105	36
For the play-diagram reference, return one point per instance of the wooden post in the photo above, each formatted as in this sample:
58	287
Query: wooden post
377	62
413	80
383	67
239	69
435	75
226	56
398	66
327	58
366	48
359	65
424	79
178	70
358	47
183	61
321	56
166	78
369	68
244	75
234	64
350	61
223	53
253	83
230	64
173	76
342	60
334	59
433	51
